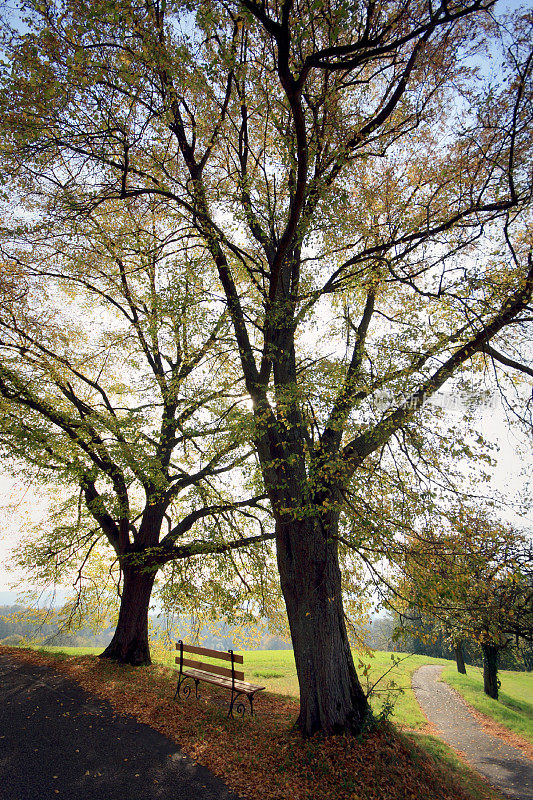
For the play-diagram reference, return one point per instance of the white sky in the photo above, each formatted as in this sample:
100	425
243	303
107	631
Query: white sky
21	507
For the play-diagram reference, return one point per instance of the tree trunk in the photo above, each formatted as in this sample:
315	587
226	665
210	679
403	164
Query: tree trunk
459	657
490	670
130	640
331	697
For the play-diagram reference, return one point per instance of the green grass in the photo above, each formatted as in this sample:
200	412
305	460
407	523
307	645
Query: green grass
513	709
275	670
67	651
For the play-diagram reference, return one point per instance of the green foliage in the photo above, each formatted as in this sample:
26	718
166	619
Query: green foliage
472	577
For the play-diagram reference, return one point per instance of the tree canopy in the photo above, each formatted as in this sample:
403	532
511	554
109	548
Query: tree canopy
114	381
475	575
357	190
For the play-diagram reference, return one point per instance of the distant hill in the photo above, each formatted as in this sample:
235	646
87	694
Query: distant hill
58	598
16	626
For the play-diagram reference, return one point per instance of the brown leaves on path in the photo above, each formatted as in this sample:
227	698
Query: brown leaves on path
263	757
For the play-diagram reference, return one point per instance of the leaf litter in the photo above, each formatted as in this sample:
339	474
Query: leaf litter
263	756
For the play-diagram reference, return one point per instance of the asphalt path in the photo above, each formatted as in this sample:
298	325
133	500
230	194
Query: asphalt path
504	766
56	740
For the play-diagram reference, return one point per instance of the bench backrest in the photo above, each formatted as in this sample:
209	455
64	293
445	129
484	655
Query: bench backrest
226	672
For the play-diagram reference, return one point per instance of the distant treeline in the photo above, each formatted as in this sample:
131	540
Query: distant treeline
425	637
19	624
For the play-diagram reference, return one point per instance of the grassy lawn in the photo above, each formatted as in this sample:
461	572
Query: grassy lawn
68	651
514	709
275	669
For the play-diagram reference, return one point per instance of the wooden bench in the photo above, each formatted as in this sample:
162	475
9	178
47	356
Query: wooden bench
228	677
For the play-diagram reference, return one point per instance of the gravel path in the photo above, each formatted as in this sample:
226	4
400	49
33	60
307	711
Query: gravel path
504	766
56	740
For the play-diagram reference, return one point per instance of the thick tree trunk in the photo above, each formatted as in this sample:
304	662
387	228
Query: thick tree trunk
130	641
459	657
331	697
490	670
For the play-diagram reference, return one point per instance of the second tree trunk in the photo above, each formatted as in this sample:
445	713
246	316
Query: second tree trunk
130	641
459	657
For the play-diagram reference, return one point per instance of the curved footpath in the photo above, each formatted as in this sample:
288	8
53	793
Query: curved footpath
504	766
57	741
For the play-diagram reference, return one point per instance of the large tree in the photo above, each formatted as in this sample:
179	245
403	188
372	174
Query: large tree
356	188
114	382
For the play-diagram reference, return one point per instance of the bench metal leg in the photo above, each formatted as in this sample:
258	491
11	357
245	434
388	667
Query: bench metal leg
240	708
186	693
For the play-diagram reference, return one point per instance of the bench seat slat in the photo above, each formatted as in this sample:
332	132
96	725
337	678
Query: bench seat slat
240	686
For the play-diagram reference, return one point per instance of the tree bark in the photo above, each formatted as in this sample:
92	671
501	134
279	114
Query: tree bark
490	670
459	657
331	697
129	644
